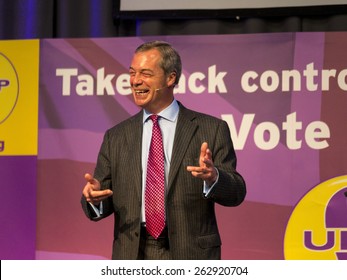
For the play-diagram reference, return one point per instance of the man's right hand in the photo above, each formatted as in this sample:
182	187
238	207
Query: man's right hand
92	191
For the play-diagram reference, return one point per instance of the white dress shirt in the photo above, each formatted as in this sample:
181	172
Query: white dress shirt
167	122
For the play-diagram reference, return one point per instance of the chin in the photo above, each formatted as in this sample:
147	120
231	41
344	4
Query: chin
141	104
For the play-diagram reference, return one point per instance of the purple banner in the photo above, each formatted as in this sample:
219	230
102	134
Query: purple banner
18	208
282	95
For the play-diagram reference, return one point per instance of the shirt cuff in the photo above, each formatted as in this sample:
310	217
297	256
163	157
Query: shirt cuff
207	189
98	210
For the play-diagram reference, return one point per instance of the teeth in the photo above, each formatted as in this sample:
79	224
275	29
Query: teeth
140	91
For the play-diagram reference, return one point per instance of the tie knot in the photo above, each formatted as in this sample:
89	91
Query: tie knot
154	118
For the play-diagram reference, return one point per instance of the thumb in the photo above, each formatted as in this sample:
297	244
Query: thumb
91	180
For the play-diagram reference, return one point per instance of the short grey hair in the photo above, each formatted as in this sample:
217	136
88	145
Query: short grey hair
171	60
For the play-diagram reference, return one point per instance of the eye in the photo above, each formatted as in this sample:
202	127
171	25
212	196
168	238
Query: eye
147	74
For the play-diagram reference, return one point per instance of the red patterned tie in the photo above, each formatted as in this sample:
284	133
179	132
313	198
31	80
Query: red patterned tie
155	185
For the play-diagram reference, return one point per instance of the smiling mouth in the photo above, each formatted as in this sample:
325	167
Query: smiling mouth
141	91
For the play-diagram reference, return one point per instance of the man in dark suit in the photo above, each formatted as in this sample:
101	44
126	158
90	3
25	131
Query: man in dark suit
199	163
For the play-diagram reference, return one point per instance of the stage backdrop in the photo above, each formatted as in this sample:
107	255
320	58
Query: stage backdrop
284	97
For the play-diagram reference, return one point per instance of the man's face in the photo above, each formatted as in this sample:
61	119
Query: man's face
148	82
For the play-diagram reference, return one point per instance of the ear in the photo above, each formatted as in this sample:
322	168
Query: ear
171	79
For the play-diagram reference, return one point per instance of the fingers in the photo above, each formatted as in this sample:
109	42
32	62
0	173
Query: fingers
206	170
92	191
203	150
205	156
208	154
199	172
91	185
207	160
96	197
90	179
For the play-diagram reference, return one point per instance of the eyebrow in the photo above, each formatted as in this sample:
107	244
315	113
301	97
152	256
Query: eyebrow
142	70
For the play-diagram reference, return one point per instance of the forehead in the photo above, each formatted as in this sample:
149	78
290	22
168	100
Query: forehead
146	60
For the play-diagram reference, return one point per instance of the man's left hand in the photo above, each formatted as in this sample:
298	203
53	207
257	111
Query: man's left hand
206	169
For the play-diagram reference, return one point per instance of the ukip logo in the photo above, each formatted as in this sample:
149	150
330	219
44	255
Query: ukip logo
9	87
317	228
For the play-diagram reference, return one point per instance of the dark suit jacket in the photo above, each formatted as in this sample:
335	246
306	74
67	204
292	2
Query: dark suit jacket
191	220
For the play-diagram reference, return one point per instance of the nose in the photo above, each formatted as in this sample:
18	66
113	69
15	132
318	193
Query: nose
136	79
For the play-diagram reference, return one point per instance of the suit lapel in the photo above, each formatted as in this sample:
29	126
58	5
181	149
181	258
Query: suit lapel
185	130
134	136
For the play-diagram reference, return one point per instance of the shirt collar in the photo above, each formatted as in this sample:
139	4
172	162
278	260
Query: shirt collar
170	113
